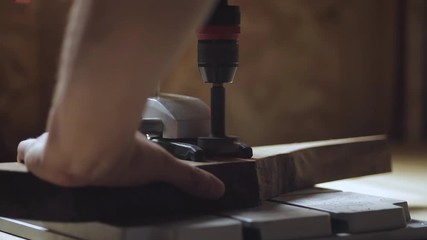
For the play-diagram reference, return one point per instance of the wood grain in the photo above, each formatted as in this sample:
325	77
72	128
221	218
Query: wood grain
273	170
288	167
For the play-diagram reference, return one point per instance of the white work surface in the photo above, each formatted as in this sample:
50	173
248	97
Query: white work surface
408	181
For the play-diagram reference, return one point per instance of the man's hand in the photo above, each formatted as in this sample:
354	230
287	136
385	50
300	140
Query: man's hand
113	56
137	169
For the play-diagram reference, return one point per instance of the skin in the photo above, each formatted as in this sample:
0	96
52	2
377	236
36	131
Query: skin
113	55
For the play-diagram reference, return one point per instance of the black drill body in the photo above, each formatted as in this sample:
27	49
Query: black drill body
218	59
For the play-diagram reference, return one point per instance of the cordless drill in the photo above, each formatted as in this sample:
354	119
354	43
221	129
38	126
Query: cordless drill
218	59
180	124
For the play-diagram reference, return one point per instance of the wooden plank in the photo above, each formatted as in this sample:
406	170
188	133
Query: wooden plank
31	198
408	180
289	167
272	171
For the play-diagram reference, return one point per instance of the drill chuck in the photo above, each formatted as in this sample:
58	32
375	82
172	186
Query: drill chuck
218	60
218	49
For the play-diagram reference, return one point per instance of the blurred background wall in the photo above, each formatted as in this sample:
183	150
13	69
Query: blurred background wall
30	39
310	69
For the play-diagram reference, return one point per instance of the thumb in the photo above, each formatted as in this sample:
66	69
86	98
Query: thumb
195	181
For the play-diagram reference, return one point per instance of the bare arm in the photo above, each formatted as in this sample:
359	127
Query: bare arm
113	55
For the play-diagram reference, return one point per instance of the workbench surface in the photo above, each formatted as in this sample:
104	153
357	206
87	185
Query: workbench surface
407	181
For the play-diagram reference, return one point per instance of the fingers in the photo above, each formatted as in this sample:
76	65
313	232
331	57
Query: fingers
151	163
195	181
30	148
23	149
162	166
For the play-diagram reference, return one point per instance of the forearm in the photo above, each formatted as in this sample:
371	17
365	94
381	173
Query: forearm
114	53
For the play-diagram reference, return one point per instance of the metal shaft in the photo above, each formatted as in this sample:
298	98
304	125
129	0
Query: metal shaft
218	110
